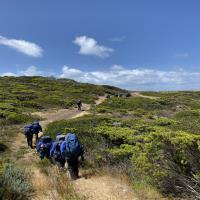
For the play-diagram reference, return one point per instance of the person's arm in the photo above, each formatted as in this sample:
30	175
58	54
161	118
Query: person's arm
52	149
82	153
40	128
82	157
62	148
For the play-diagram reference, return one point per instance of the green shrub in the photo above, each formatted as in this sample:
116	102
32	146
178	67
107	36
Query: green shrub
15	118
164	157
163	121
151	152
138	112
188	120
135	104
15	184
32	104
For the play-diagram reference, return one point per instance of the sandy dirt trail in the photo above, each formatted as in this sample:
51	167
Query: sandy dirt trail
56	115
137	94
104	188
94	188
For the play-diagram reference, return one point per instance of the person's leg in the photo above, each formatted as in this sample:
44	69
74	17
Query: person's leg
27	139
36	137
70	163
75	168
31	141
62	163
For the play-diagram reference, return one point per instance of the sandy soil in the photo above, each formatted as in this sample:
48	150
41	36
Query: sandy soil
137	94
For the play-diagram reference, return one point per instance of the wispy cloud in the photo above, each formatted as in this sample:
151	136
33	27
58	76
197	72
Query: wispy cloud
30	71
129	78
8	74
89	46
25	47
118	39
135	78
182	55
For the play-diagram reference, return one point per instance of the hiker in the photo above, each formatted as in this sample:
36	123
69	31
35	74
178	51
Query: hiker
28	132
71	150
43	147
44	151
55	154
36	129
79	104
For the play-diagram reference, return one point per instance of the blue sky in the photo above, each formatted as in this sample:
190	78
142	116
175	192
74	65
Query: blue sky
134	44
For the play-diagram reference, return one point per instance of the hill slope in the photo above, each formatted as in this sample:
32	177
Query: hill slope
151	138
20	95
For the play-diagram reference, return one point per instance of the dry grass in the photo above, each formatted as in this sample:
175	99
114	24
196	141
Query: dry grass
146	192
62	185
57	186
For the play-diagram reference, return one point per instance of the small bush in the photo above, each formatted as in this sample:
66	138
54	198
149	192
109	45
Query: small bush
188	120
15	118
163	121
15	184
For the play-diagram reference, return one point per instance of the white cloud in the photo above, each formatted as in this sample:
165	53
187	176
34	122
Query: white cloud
134	78
8	74
117	67
25	47
89	46
30	71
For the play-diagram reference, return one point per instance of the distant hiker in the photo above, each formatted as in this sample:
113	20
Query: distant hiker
108	96
79	104
28	132
71	150
55	154
36	129
43	147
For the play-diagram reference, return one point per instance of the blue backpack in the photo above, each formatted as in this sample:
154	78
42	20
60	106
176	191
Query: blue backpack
28	130
44	151
42	141
78	102
43	147
55	150
36	127
71	147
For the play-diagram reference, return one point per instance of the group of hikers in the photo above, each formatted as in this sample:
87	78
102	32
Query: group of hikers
65	149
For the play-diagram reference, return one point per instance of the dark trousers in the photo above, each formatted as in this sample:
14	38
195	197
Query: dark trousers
73	167
60	162
30	140
36	136
79	107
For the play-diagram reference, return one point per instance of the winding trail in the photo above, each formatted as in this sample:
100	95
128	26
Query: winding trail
94	188
137	94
